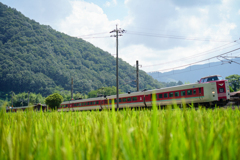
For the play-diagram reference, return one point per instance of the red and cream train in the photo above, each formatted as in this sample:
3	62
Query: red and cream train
208	91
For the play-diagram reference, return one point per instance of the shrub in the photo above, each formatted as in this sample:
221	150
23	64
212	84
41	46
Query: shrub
54	100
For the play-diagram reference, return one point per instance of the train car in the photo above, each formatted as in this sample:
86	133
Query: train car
36	107
223	91
208	92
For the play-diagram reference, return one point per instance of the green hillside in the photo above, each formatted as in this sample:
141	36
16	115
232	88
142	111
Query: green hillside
39	59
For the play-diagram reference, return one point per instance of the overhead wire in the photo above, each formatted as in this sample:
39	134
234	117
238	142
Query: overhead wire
174	73
172	36
195	55
93	34
94	37
195	62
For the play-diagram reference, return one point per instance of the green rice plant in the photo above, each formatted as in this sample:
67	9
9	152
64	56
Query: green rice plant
179	133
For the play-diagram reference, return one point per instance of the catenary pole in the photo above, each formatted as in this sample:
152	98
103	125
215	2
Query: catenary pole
12	98
72	89
137	78
118	33
28	98
117	67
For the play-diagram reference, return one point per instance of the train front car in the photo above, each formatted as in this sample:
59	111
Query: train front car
190	93
222	88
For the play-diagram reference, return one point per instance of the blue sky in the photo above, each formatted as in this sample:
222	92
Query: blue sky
158	31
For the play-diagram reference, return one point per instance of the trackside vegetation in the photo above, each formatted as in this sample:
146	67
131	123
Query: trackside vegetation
127	134
54	100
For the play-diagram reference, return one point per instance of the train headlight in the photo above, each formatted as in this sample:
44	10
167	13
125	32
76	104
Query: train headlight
213	92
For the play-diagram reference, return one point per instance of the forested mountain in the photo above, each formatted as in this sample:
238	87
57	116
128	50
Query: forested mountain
39	59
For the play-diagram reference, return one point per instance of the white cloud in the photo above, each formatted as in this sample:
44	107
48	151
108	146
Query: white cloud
88	18
112	3
107	4
159	17
126	1
206	19
115	2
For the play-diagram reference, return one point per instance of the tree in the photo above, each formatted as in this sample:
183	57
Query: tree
54	100
104	91
179	83
231	90
234	81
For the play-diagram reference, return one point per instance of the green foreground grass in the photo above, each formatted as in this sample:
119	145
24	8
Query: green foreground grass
127	134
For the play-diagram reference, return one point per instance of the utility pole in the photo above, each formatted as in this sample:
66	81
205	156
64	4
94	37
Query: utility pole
137	78
117	31
28	98
22	100
12	98
72	89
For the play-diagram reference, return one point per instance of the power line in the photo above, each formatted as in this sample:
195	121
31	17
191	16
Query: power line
93	34
174	73
195	55
197	61
173	36
93	37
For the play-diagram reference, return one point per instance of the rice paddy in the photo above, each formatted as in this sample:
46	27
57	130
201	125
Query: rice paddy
127	134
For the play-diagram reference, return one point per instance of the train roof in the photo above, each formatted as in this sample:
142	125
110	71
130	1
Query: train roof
212	76
129	94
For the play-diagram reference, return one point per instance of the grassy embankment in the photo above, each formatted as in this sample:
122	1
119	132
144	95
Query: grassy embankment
127	134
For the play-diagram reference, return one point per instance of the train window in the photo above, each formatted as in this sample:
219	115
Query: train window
79	104
97	102
129	99
220	78
134	98
199	90
115	101
124	99
171	94
176	94
189	92
110	101
88	103
194	91
94	102
75	104
183	93
105	101
221	90
120	100
205	80
165	95
91	103
215	78
160	96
